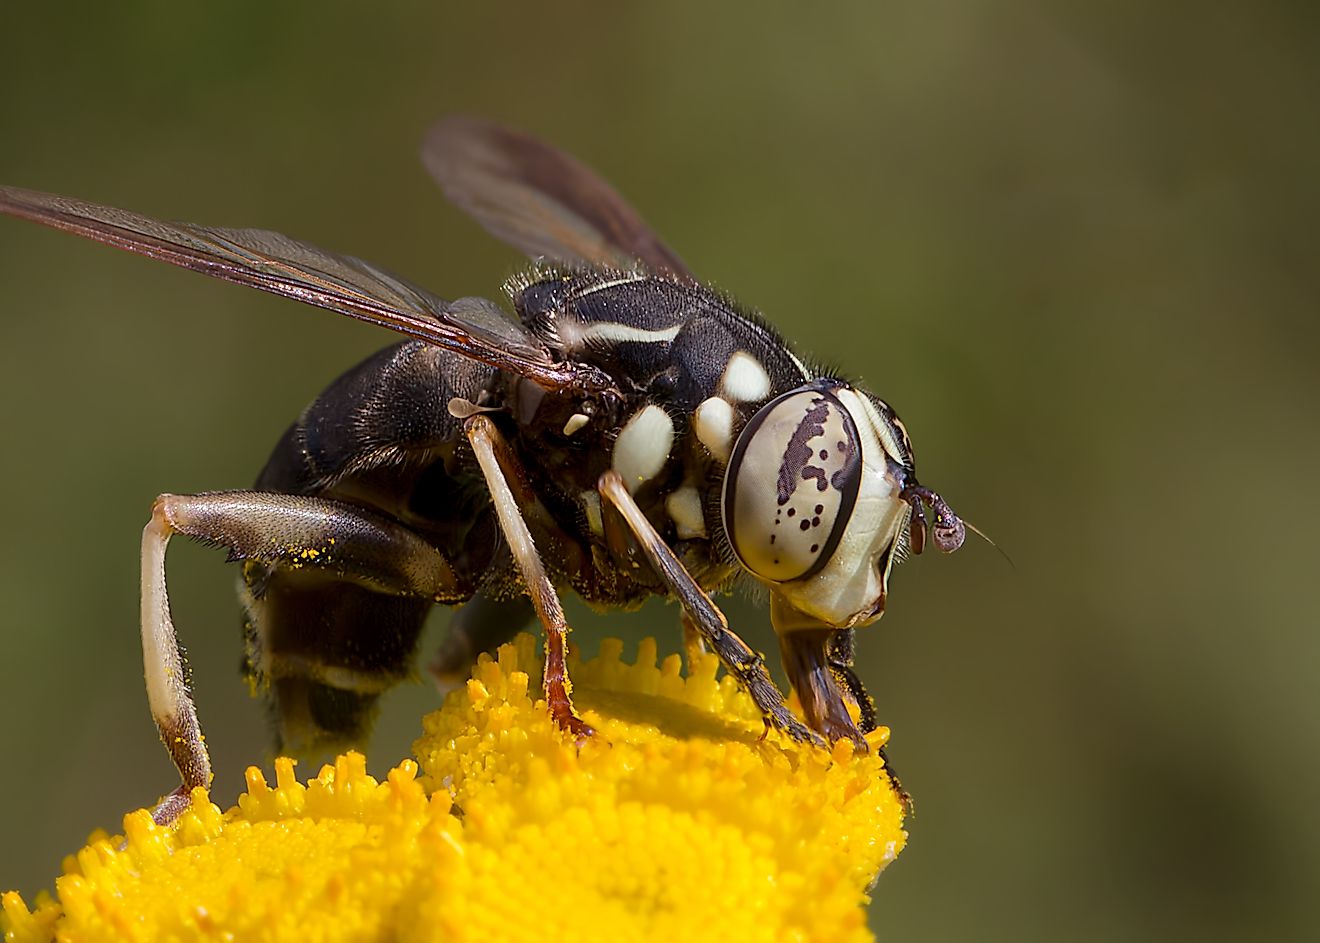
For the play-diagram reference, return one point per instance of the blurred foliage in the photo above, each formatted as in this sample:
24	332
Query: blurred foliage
1072	242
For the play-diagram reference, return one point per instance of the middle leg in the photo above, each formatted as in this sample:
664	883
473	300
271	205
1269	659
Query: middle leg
498	464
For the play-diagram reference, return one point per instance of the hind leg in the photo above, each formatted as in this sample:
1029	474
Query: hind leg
482	624
285	531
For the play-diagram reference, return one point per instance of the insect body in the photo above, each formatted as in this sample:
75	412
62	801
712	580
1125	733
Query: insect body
633	433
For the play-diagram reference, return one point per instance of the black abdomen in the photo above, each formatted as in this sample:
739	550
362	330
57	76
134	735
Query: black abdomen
323	646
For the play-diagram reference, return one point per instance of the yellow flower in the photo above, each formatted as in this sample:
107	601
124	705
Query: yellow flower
680	820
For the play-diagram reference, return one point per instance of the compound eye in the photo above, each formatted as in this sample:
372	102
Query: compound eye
791	484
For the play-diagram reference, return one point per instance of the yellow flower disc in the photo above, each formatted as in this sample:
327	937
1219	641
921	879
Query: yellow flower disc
679	819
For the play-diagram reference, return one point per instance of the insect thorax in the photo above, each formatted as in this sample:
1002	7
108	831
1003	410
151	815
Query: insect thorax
692	368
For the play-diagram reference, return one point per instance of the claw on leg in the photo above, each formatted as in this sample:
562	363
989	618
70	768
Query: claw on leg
171	806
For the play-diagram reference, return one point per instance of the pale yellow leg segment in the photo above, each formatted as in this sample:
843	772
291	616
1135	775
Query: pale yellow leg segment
498	464
167	672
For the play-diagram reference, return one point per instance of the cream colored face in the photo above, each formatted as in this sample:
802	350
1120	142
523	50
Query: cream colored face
813	503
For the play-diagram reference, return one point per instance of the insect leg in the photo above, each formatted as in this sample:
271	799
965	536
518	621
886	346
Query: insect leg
498	464
483	624
283	530
743	663
840	650
694	646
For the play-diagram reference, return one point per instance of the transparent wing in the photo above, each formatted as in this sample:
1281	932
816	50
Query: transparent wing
283	266
539	200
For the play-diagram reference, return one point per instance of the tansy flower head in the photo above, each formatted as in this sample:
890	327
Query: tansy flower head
680	819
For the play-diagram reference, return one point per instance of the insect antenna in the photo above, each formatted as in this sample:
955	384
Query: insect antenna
986	537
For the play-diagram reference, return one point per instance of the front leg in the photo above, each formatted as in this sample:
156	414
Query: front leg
743	663
285	531
498	465
842	647
840	657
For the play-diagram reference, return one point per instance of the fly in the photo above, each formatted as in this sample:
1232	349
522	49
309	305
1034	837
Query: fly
631	433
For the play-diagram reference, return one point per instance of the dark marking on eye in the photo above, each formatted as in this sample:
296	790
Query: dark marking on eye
806	525
799	450
815	522
812	472
824	455
772	539
815	548
820	509
792	512
840	478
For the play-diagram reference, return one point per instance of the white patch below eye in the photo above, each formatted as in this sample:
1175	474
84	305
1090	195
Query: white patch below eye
713	423
591	508
643	446
575	422
744	379
684	508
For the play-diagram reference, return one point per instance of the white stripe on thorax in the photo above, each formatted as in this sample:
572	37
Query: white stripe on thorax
574	334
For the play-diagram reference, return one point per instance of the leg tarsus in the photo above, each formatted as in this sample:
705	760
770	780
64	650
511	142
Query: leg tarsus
568	721
904	797
171	806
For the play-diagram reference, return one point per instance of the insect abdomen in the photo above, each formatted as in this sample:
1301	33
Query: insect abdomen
324	642
324	649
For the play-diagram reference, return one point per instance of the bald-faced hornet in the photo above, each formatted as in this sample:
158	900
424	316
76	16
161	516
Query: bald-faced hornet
633	433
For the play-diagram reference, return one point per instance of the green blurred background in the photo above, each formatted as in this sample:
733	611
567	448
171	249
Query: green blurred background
1074	244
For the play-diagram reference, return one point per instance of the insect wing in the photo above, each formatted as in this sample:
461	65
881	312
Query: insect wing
275	263
539	200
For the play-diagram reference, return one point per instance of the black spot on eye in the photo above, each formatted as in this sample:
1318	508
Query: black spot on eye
815	548
812	472
824	455
815	522
772	538
820	509
806	525
792	512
